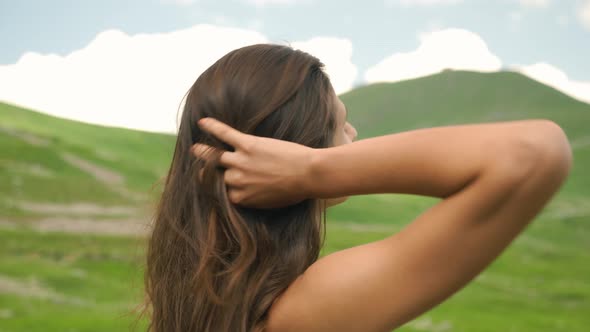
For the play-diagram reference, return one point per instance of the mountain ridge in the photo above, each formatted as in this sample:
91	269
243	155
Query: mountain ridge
140	158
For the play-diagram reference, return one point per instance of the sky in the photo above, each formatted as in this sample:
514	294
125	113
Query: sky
128	63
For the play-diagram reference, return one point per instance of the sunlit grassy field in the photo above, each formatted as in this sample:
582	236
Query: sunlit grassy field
86	282
73	198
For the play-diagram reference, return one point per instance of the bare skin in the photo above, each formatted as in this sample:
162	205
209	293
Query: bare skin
493	178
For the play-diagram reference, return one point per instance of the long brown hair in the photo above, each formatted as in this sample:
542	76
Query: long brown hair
213	265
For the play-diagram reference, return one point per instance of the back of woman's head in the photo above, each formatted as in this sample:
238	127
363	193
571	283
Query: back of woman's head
212	265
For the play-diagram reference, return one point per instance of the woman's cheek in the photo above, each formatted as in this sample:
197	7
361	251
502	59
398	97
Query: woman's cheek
345	138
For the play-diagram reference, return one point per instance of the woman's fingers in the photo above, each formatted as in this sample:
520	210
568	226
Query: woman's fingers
222	131
234	177
203	151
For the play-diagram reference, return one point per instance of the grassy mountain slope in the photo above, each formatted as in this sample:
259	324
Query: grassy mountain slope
34	165
460	97
54	281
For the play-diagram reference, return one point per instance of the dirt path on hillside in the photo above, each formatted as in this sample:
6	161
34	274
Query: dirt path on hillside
112	179
83	218
580	142
32	288
80	208
118	227
427	324
80	225
102	174
25	136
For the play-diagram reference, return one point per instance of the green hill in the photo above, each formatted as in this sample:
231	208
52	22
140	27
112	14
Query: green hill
461	97
70	192
49	159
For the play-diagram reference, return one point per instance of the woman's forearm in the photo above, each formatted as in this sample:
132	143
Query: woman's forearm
436	161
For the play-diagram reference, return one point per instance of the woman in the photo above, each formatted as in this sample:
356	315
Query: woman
264	148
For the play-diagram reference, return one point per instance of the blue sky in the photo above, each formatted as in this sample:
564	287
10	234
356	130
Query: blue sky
547	39
517	33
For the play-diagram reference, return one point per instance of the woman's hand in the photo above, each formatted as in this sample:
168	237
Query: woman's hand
261	172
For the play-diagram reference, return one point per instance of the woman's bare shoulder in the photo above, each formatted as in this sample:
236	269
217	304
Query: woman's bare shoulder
321	298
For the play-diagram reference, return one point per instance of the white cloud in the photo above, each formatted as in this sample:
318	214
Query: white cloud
439	50
556	78
534	3
336	54
584	14
408	3
139	81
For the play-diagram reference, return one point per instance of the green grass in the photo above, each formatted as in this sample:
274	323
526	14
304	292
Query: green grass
65	282
538	284
94	282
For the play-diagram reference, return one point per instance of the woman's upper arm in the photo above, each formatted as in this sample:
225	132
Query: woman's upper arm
384	284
